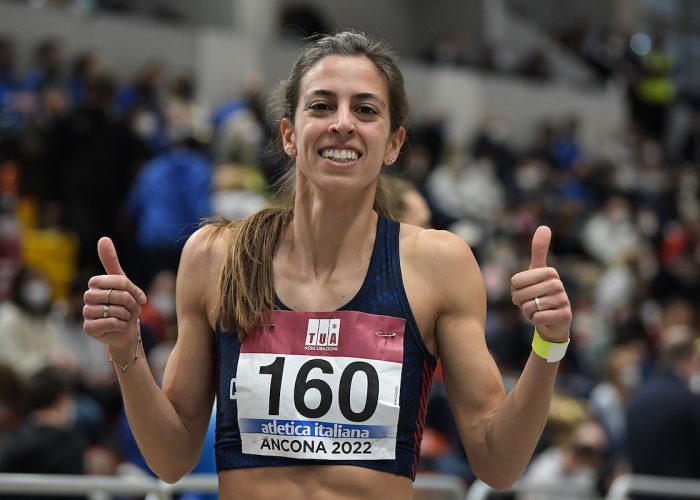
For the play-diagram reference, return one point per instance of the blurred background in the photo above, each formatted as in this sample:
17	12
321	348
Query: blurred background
136	119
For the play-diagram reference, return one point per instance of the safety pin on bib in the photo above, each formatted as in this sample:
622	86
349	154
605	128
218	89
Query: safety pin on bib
385	334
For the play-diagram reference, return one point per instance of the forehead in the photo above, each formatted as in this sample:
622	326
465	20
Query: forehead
345	75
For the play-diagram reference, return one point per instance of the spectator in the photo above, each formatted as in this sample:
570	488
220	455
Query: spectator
575	464
158	322
611	233
566	149
28	333
411	205
52	106
238	190
679	259
141	103
87	364
46	443
654	92
92	157
240	129
466	188
183	109
622	375
87	66
663	416
492	142
168	200
48	60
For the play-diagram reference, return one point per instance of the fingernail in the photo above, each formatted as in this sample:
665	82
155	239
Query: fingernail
142	299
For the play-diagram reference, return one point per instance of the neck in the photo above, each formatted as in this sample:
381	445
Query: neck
326	234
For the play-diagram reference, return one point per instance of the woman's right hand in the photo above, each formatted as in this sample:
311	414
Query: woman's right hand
112	304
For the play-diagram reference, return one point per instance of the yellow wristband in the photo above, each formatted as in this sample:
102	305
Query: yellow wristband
551	351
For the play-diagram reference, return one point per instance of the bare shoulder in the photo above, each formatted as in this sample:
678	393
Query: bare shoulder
208	242
442	266
435	250
202	257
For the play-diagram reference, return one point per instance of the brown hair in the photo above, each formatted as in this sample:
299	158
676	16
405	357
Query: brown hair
246	282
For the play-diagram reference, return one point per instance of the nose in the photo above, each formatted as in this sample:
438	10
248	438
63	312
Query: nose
344	122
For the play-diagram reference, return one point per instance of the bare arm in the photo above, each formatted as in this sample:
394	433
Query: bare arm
169	424
499	433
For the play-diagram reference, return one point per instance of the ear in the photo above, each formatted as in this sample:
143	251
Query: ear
287	133
393	147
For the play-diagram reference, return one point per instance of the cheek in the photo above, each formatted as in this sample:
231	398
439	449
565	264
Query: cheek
308	135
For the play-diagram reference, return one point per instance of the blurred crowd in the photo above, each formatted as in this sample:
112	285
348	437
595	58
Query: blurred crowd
83	155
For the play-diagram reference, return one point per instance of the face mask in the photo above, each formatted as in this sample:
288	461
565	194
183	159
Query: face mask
694	383
36	294
146	125
630	376
164	303
8	227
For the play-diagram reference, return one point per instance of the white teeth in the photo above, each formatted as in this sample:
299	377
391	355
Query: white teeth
339	154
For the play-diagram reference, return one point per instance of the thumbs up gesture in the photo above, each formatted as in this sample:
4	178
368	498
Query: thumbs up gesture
540	294
112	302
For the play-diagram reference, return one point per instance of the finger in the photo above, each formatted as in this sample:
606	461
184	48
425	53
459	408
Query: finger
115	282
540	289
110	261
98	296
108	256
540	247
532	277
559	301
98	312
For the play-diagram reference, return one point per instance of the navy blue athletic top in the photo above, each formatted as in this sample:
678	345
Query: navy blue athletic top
382	293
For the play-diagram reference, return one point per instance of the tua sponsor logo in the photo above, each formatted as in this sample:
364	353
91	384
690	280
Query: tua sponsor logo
322	335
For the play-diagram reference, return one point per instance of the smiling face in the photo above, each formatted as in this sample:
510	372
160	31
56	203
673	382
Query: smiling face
341	131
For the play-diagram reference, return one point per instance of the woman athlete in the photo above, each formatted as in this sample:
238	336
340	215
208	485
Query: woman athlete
320	340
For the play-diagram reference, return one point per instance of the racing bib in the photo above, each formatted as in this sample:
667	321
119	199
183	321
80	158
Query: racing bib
321	386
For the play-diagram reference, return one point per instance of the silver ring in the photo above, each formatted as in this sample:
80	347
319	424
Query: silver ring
105	312
537	303
109	292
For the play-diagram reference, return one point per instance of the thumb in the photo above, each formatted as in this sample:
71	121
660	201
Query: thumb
108	256
540	247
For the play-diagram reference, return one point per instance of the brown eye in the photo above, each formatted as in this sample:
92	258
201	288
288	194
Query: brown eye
366	110
320	106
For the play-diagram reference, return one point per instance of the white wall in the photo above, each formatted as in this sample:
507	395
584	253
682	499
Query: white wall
526	104
223	62
467	98
558	15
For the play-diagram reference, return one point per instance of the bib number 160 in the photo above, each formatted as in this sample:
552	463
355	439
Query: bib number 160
303	384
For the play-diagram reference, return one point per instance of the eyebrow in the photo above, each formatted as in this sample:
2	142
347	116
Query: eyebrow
331	94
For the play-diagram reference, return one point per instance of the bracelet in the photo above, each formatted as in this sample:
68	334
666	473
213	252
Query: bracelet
136	352
551	351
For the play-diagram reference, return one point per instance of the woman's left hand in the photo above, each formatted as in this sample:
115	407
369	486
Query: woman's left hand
540	294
